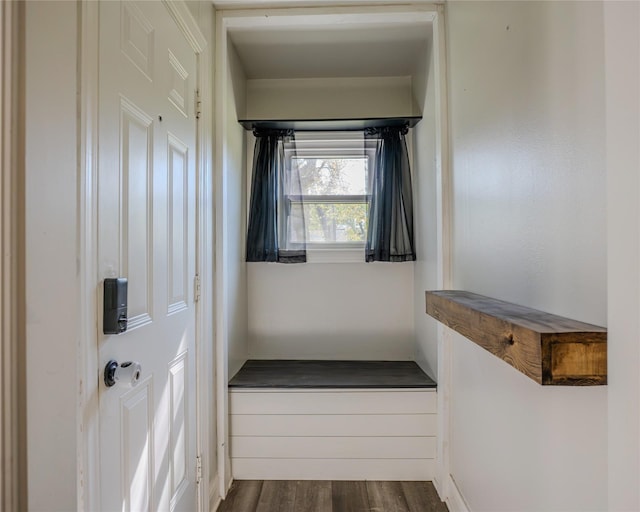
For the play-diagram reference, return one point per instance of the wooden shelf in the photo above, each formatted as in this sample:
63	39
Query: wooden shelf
549	349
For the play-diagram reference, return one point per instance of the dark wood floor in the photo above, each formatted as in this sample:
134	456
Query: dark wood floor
331	496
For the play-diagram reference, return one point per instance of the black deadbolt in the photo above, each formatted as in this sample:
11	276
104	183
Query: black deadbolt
114	319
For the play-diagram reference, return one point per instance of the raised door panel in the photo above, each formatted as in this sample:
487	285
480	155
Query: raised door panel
136	202
136	416
137	37
178	431
178	158
178	84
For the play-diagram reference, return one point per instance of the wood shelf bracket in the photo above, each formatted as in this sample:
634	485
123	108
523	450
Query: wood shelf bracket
550	349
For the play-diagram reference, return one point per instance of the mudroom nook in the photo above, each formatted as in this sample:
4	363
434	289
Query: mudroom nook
331	358
332	420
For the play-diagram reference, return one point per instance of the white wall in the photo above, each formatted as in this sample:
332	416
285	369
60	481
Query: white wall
234	219
51	283
204	14
238	84
330	98
424	189
331	311
529	226
622	59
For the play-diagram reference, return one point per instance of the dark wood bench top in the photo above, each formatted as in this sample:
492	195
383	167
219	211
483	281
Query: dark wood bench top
330	374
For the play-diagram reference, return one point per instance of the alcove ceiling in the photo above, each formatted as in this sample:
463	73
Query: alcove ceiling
341	51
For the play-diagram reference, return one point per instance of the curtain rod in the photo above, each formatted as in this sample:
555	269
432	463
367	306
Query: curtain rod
319	125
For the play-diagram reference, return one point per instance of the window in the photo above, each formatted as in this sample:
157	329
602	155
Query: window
333	191
354	189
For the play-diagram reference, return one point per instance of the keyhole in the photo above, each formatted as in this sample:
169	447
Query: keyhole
160	118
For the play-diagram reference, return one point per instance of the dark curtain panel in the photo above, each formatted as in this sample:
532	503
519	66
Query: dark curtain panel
269	215
390	229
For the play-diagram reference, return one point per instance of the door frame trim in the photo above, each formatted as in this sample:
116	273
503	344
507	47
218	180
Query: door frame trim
88	481
12	298
442	480
88	477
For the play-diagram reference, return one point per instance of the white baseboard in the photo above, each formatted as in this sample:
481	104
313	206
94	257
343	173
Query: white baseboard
455	501
438	486
228	477
214	494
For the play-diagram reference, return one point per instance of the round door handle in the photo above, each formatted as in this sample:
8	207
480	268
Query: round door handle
127	373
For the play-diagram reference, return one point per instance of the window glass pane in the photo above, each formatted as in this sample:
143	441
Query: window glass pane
295	226
332	222
332	176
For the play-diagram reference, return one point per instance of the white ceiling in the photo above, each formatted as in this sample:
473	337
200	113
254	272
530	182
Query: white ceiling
344	51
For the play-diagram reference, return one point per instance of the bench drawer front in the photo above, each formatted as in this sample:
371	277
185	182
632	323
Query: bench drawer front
340	435
324	402
334	424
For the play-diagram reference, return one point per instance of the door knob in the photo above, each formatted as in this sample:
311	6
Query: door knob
126	374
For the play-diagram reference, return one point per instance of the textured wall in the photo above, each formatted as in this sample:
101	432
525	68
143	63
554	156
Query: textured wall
529	226
331	310
52	285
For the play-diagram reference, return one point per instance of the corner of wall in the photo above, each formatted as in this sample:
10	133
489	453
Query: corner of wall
425	216
622	86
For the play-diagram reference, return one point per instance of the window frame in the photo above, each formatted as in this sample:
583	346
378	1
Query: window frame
332	145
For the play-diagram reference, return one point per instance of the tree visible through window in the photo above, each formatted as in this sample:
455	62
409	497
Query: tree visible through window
334	191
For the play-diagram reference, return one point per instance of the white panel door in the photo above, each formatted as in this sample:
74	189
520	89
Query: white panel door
146	233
